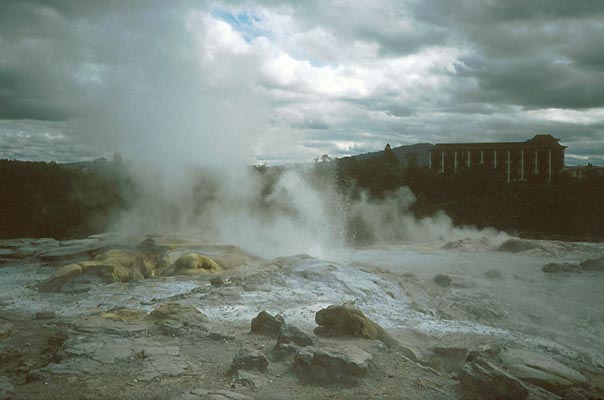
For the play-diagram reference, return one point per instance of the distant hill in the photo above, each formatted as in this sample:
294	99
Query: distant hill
422	150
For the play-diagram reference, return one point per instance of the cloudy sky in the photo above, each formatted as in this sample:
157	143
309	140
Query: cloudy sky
280	81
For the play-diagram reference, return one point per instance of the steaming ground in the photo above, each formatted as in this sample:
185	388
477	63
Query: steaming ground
493	297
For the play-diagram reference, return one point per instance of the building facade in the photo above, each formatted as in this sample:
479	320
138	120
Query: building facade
538	160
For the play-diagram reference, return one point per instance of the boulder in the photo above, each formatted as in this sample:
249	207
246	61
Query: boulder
346	320
493	274
554	268
443	280
61	277
291	334
266	324
596	264
249	360
328	364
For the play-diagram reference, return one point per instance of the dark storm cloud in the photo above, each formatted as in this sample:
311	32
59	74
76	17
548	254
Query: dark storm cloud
530	53
109	73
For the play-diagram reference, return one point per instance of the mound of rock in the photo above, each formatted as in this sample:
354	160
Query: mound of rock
117	265
596	264
517	374
556	268
248	360
346	320
267	324
325	365
193	264
174	317
519	245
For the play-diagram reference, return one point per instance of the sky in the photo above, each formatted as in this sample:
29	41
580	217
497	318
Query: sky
287	81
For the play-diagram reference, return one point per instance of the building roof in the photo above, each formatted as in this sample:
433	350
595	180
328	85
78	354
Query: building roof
536	141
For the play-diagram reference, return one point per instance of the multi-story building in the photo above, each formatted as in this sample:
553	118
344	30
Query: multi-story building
540	159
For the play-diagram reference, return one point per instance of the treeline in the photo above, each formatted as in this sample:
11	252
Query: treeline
39	199
570	209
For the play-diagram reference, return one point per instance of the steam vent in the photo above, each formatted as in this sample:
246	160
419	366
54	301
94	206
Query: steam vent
538	160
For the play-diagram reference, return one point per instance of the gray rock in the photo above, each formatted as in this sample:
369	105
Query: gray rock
540	370
329	364
443	280
285	350
266	324
493	274
519	245
291	334
485	380
249	360
554	268
204	394
592	265
249	379
6	388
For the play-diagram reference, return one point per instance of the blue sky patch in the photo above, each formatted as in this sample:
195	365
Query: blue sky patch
244	22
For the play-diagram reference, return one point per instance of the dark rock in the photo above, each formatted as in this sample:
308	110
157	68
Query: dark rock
46	315
592	265
291	334
540	370
6	388
344	320
493	274
327	364
554	268
519	245
443	280
266	324
157	254
216	281
249	360
487	381
249	379
285	350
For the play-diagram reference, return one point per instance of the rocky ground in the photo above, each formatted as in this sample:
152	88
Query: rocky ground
180	318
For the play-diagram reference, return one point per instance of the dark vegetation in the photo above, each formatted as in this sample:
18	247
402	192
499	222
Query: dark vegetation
49	200
39	199
570	209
